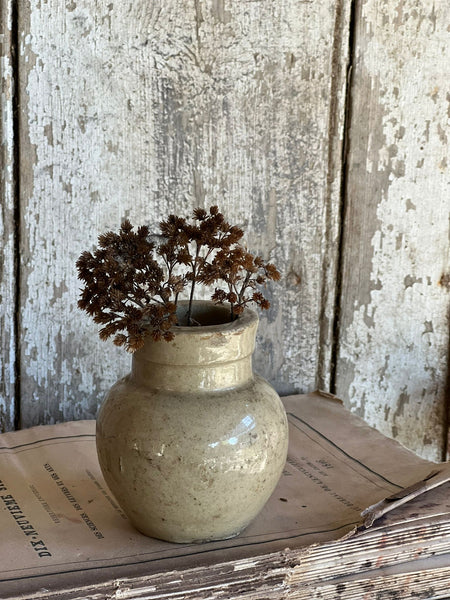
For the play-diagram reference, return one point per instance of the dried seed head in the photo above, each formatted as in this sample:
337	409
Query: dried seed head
131	286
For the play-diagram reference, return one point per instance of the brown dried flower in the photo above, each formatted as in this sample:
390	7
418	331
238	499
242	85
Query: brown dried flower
131	287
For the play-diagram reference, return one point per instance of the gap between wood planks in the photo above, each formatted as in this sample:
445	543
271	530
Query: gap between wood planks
343	197
15	65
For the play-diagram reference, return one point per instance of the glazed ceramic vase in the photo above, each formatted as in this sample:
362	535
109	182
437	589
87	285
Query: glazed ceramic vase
192	443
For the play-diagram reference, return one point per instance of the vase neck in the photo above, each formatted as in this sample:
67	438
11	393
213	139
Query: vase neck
199	358
192	378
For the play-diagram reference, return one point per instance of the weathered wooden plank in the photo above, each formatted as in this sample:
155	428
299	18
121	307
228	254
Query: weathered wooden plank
394	328
144	108
7	254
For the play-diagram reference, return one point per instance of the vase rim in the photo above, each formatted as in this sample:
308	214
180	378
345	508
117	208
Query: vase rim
208	309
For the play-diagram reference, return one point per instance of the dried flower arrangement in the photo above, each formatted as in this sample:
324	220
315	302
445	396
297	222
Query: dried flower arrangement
132	285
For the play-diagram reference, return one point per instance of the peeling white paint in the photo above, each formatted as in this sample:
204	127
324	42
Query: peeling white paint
395	341
391	348
140	109
7	270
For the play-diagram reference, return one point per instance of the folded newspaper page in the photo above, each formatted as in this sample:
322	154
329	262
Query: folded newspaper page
59	522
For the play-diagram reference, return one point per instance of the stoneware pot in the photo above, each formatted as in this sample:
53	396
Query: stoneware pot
192	443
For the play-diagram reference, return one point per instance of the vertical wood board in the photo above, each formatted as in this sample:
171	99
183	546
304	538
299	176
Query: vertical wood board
138	109
394	328
7	237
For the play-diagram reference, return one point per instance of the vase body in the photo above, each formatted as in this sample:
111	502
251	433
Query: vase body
192	443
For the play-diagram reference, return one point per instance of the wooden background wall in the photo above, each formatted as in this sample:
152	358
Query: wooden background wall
320	126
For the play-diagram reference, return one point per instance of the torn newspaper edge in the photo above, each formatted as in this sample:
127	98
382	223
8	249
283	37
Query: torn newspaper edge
436	478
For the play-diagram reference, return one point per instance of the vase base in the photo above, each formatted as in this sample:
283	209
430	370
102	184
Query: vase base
177	539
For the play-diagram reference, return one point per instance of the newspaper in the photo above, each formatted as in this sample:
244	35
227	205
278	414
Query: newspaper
59	521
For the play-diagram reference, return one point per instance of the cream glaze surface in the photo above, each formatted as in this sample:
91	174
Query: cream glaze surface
191	442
